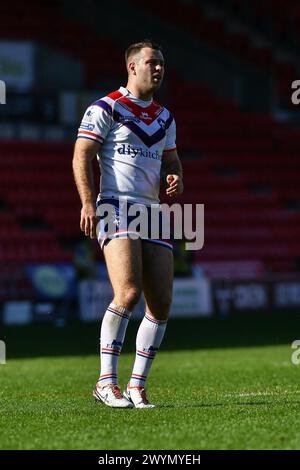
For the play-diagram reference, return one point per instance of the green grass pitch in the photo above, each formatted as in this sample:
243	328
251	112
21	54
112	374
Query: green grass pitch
218	384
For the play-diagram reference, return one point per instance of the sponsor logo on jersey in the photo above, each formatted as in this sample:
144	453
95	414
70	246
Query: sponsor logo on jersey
125	119
87	126
134	152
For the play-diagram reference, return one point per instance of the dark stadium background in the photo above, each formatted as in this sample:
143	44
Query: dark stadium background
228	82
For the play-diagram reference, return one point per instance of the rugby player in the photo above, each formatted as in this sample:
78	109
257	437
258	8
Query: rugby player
134	138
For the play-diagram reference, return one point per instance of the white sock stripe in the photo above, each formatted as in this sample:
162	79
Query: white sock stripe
111	350
153	320
111	353
108	377
150	355
119	309
140	379
120	314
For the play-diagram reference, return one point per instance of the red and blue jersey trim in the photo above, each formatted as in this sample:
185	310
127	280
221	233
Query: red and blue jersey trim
90	135
148	140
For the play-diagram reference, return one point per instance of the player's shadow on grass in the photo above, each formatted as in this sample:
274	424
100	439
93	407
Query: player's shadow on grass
81	339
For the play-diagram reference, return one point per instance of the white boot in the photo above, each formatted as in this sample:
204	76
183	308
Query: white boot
110	395
137	396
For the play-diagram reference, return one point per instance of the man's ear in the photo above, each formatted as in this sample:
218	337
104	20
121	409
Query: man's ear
131	67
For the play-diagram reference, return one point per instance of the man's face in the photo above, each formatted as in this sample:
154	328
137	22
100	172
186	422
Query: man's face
149	68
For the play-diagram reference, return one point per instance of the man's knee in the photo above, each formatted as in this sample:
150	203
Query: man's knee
128	297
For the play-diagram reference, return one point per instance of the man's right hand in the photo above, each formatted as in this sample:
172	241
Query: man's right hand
89	220
84	152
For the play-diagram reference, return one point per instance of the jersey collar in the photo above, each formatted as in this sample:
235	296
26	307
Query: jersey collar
134	99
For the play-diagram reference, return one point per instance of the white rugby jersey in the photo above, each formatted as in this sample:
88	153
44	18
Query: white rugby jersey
134	134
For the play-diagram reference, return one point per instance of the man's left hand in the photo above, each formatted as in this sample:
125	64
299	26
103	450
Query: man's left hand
175	185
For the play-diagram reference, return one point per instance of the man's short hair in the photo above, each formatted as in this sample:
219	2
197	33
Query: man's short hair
136	47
